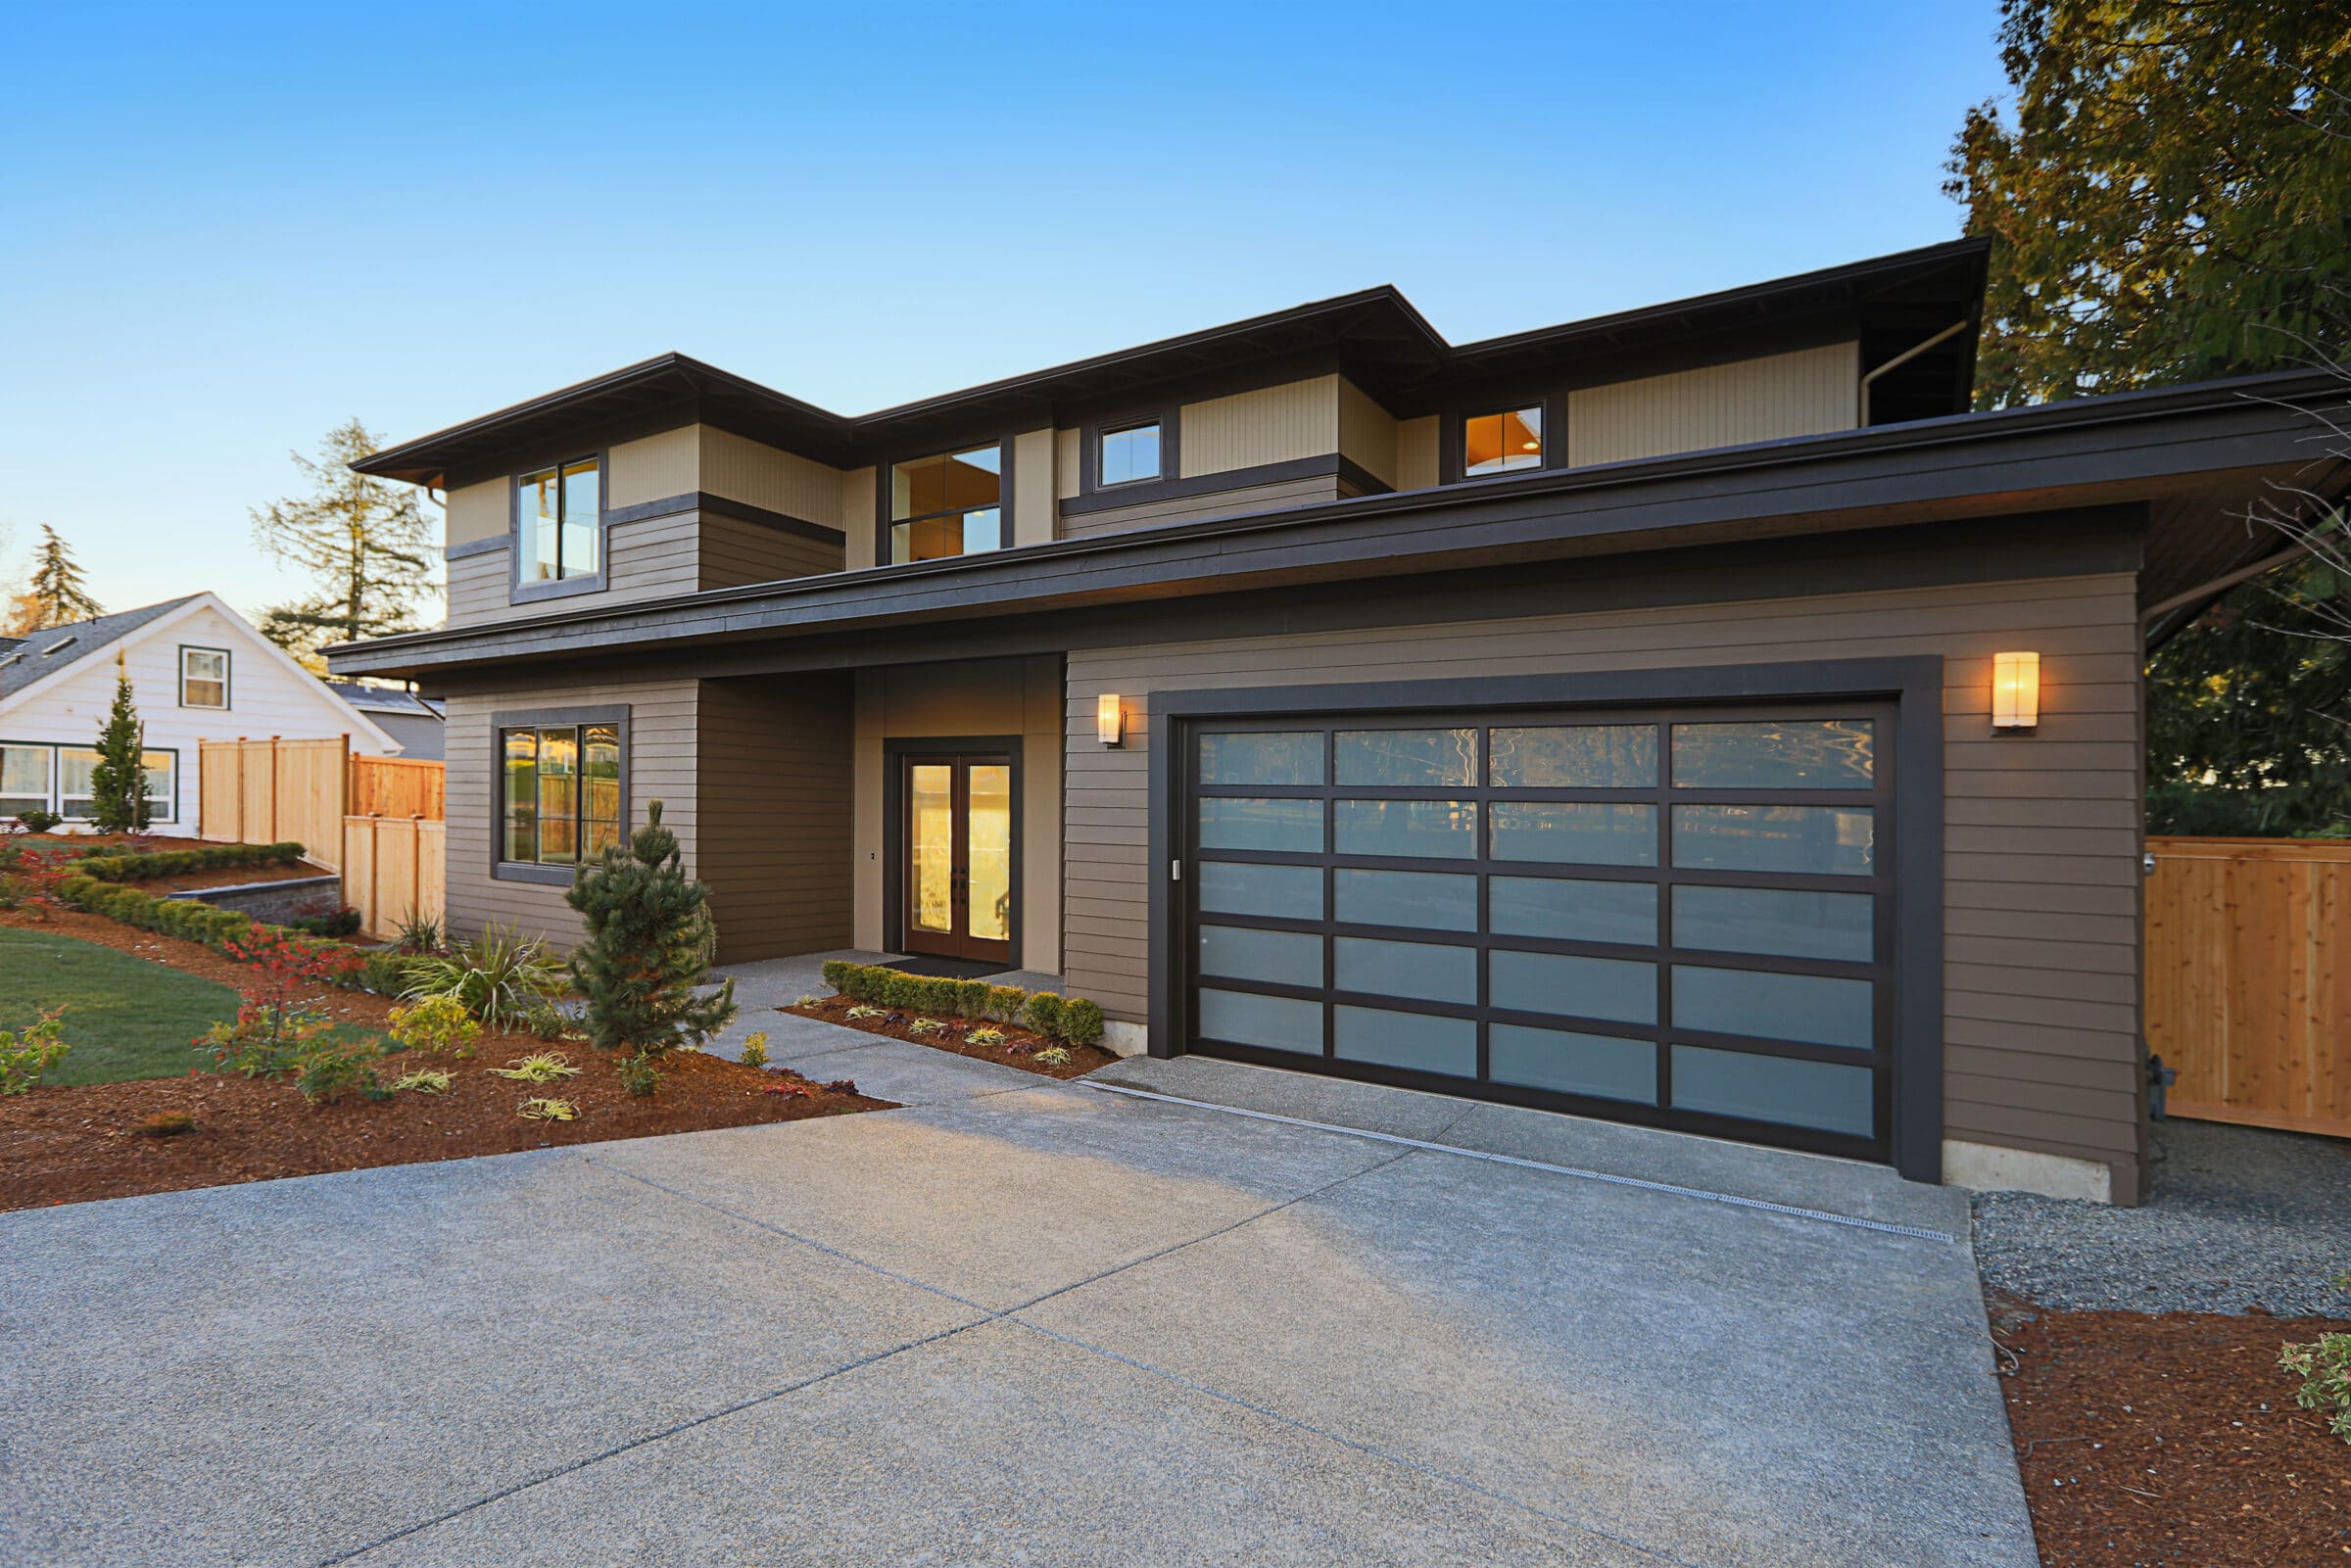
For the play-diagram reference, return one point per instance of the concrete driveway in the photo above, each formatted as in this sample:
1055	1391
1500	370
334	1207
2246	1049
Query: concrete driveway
1017	1322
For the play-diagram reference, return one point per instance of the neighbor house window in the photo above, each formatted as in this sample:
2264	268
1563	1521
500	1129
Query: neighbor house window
204	678
560	512
1496	442
560	792
951	505
24	773
1130	453
75	765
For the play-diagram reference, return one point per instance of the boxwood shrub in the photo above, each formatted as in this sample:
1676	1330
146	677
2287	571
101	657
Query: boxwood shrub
197	921
1073	1020
146	865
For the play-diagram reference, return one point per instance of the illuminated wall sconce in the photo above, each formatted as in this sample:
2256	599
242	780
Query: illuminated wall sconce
2015	692
1110	720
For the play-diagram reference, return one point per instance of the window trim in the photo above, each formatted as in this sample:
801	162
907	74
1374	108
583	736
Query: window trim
884	522
1459	454
164	803
522	592
49	789
227	681
1089	451
505	719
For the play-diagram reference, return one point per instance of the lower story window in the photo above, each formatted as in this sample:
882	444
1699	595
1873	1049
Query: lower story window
51	777
561	795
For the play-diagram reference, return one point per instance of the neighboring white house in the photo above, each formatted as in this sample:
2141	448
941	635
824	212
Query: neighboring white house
198	672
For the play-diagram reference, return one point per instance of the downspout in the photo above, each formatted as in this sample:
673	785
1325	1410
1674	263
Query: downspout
1903	358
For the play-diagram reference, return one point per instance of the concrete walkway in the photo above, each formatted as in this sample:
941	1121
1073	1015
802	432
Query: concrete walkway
1017	1322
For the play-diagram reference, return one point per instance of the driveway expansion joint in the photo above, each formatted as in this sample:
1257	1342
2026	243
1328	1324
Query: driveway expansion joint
1427	1146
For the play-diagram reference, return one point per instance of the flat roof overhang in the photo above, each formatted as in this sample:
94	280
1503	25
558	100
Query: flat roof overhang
2195	456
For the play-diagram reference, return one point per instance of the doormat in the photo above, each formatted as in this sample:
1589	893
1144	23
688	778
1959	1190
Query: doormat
943	969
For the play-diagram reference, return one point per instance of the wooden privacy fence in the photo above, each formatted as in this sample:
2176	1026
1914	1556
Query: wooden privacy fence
2248	990
395	786
393	870
267	791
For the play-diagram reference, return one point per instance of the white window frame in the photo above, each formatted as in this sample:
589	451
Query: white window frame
162	803
221	706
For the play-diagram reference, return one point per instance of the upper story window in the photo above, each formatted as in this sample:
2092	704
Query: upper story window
204	678
1129	453
951	505
560	517
1497	443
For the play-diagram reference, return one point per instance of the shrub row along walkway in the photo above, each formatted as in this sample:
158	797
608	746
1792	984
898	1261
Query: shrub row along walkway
1018	1321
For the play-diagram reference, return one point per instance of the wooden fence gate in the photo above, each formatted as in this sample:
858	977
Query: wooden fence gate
2249	990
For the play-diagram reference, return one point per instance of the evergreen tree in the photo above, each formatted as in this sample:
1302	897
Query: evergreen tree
649	941
363	542
118	801
55	597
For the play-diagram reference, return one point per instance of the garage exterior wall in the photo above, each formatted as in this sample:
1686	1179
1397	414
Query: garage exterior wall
2042	833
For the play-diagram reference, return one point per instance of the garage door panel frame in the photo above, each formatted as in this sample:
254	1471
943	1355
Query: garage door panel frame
1906	1021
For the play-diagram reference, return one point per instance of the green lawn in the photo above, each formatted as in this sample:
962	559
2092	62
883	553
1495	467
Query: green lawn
125	1017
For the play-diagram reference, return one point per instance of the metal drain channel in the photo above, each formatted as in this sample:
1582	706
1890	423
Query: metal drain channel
1884	1228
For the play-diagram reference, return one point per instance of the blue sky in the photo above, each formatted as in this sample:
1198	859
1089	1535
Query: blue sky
224	228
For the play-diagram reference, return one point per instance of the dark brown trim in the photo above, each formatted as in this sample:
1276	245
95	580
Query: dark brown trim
505	719
1129	492
704	500
519	592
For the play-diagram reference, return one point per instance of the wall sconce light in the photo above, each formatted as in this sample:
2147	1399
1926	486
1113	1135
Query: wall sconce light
1110	720
2015	692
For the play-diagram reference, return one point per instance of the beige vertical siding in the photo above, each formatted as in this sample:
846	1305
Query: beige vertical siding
1266	425
1033	485
1416	452
1066	475
775	806
653	468
1808	393
2040	838
998	698
857	517
480	511
1366	432
735	552
660	763
773	480
1233	502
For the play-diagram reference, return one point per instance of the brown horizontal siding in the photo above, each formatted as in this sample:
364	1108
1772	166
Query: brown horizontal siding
735	552
1199	508
2041	863
661	764
776	804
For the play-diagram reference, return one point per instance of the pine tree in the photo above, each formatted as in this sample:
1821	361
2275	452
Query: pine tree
56	595
649	941
118	801
363	542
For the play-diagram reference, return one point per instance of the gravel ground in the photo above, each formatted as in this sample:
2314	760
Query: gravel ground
2239	1220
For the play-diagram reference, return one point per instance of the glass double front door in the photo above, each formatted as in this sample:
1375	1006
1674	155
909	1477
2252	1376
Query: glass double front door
957	835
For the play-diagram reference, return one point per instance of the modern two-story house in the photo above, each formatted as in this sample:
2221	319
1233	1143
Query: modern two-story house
1693	716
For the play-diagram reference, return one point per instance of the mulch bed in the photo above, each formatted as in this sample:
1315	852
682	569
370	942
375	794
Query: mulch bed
1018	1050
2170	1439
234	877
72	1143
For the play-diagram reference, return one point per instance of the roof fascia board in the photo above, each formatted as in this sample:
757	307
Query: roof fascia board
1815	480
